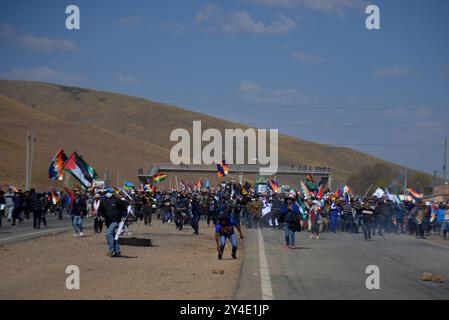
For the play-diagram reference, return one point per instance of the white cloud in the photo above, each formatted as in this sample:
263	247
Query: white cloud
394	71
130	21
337	7
45	44
45	74
208	13
306	58
214	19
243	22
255	94
126	80
35	43
403	113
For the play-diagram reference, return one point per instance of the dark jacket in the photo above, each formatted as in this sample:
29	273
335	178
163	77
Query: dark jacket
35	201
112	210
79	207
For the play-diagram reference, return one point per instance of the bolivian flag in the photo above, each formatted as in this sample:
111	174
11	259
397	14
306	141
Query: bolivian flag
159	177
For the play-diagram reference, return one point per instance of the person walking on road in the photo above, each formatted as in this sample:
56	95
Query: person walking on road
98	219
35	201
9	203
367	219
114	211
18	207
79	210
291	217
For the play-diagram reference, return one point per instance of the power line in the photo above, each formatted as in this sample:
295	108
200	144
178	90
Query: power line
307	107
358	126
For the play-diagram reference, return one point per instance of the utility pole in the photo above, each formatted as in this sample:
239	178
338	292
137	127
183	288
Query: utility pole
30	141
405	181
27	164
445	160
33	142
434	178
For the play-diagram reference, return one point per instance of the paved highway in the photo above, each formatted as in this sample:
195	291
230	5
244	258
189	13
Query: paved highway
25	230
334	267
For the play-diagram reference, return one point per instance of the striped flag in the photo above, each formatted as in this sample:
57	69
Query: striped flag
220	170
200	185
159	177
225	167
273	186
320	193
414	193
56	172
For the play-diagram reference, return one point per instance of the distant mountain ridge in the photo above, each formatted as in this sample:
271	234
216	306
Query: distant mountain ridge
120	132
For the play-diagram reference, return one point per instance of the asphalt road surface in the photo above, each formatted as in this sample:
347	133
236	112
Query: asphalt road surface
334	267
25	230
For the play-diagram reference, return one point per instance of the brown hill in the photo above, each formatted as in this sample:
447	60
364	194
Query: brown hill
121	132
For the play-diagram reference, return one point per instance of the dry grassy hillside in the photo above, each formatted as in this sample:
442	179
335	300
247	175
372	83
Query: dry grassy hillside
120	132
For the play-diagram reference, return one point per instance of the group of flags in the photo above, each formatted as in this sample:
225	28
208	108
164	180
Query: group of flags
75	165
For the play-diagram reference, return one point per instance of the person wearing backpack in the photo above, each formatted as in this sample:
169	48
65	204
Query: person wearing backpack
291	217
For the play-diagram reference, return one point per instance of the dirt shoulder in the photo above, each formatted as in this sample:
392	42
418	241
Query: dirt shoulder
178	266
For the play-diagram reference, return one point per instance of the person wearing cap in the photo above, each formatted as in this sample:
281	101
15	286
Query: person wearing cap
291	216
79	210
114	211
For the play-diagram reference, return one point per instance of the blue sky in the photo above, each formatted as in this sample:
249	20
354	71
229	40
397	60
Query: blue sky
308	68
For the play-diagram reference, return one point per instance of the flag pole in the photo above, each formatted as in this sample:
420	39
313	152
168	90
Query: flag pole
27	165
366	193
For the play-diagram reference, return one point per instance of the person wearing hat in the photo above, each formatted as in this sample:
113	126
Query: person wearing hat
254	209
291	216
98	219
